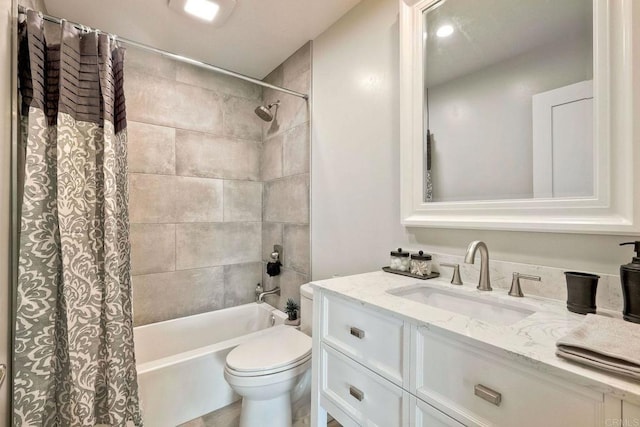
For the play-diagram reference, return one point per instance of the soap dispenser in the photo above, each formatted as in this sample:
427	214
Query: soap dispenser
630	279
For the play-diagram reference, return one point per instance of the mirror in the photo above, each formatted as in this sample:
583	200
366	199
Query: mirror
508	104
530	108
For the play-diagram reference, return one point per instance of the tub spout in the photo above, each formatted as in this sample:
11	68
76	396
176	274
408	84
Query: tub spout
261	296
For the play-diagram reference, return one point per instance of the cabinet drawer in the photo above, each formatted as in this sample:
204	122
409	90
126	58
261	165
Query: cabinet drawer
366	397
480	389
425	415
368	337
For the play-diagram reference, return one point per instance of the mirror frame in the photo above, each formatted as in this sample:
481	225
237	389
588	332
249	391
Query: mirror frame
615	206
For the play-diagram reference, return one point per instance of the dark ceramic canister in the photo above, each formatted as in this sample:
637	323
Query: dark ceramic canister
630	281
581	292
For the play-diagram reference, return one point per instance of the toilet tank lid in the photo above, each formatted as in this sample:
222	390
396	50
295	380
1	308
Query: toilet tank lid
306	291
275	350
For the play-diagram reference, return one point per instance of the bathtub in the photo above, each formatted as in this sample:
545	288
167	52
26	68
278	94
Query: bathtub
181	362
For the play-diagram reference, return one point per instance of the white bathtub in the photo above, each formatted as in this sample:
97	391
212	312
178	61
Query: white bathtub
181	362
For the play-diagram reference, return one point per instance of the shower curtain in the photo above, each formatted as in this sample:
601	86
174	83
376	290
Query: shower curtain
74	358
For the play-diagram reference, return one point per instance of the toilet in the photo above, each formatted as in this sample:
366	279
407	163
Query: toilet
265	371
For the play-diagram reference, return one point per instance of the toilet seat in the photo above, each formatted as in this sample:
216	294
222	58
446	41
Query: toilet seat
276	352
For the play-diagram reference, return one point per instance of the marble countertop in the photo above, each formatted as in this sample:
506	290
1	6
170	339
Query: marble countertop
530	341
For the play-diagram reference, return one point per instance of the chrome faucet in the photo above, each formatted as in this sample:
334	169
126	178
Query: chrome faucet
484	284
261	296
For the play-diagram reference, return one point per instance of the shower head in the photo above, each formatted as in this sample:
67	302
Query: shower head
264	112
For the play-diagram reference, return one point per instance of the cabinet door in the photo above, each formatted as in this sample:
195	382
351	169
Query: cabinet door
481	389
425	415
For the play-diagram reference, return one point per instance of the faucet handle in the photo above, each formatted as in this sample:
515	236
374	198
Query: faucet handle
455	278
516	290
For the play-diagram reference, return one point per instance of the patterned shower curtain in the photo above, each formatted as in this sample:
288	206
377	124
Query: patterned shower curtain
74	355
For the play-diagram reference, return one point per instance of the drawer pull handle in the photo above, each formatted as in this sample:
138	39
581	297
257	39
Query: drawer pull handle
358	394
358	333
488	394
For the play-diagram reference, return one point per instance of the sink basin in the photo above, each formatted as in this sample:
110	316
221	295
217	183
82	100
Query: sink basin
477	307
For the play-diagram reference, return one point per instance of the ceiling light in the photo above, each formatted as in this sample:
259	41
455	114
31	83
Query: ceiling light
203	9
444	31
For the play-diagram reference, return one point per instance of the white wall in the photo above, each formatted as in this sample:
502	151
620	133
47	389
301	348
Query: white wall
355	147
5	188
355	164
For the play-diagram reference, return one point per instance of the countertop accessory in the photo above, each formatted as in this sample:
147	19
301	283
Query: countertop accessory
605	343
420	264
484	282
400	260
581	292
630	281
516	290
455	278
432	275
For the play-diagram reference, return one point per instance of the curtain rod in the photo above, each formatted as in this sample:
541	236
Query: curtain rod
176	57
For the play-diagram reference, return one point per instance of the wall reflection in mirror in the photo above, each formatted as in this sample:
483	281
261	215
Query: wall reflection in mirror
508	104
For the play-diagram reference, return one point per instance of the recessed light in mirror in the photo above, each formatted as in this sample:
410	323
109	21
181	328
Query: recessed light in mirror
202	9
444	31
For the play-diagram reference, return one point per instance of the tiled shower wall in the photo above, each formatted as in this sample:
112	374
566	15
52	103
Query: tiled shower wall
285	174
196	191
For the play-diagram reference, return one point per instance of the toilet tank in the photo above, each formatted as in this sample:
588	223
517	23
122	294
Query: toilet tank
306	308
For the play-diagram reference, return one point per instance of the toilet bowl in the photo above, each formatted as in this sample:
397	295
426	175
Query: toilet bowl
264	372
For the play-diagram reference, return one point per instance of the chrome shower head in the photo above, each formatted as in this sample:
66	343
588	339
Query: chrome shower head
265	112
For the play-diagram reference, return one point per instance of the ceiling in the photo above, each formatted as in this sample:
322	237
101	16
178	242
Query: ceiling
258	36
490	31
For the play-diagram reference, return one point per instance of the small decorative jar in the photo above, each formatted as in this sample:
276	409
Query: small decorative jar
400	260
421	264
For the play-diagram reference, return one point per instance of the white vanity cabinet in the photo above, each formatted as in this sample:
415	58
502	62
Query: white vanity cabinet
373	369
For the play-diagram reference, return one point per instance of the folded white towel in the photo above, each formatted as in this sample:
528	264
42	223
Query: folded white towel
605	343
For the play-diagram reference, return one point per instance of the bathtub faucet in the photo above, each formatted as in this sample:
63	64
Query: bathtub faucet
261	296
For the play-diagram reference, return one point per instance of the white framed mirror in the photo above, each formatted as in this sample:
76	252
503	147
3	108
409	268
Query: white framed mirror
519	115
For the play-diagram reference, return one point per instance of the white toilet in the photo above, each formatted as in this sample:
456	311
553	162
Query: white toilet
266	370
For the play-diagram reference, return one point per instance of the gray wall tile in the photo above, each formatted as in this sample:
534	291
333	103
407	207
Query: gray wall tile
271	160
199	199
287	200
199	154
164	296
240	120
164	102
153	248
271	235
295	152
296	247
240	282
152	198
298	63
138	60
151	149
214	244
242	201
290	282
221	83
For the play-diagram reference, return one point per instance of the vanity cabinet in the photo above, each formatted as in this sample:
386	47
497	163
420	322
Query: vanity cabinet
373	369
